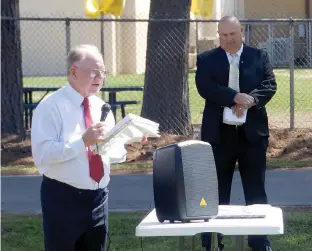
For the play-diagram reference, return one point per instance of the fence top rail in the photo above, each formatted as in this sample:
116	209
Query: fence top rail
68	19
106	88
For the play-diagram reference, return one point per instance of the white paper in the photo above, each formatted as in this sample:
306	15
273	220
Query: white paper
241	211
231	119
131	128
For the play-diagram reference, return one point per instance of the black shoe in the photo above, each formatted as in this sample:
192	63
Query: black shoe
267	248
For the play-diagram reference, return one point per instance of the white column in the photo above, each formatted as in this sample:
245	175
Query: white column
132	38
110	45
142	12
240	8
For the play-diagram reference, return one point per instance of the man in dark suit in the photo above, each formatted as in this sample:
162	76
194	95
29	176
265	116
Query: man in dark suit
226	77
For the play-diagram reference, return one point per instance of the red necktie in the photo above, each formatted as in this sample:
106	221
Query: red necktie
95	161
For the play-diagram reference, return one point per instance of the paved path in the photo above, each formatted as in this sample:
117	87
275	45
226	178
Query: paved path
20	194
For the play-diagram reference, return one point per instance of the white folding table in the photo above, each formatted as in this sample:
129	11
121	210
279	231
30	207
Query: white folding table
271	224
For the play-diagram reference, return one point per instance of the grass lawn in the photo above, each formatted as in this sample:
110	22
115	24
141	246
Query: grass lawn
115	168
278	106
147	167
24	233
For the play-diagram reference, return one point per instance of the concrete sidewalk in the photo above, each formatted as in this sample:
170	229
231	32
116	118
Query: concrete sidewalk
21	194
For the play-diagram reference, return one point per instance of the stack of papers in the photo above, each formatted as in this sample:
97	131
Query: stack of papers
231	119
131	128
241	212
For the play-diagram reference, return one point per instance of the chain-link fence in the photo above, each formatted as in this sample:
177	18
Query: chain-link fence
289	45
123	42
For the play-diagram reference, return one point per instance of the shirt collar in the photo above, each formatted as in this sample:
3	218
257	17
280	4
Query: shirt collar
74	96
239	52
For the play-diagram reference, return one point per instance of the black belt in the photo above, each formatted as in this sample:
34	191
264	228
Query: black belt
69	188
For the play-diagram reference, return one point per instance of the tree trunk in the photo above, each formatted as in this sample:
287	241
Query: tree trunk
11	71
166	94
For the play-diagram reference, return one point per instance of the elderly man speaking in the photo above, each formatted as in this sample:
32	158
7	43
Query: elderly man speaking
74	191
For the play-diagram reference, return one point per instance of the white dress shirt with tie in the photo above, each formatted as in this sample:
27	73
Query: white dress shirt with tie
237	58
234	61
56	139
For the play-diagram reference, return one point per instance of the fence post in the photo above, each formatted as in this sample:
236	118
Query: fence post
196	28
102	34
67	25
247	34
270	43
309	42
291	68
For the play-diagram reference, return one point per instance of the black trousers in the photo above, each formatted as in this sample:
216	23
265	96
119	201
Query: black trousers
73	219
251	158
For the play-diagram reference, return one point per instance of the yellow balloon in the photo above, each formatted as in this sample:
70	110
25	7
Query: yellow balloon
116	8
207	8
93	8
195	7
105	5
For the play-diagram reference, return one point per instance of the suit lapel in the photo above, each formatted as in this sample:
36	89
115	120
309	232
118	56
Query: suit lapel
243	63
224	66
224	62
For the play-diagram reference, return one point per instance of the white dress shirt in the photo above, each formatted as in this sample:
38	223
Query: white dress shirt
56	139
239	53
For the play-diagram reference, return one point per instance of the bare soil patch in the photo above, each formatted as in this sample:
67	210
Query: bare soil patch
285	145
290	145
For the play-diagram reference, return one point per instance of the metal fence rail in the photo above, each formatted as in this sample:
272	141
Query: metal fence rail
46	42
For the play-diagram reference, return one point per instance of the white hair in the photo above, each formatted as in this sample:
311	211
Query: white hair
78	53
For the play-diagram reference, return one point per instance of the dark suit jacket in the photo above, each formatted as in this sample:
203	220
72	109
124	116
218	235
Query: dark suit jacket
212	77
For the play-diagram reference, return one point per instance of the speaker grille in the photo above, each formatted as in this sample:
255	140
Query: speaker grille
200	179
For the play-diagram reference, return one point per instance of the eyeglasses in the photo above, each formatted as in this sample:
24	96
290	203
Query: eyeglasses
95	73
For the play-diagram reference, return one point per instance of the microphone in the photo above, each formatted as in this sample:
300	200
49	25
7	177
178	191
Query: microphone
105	110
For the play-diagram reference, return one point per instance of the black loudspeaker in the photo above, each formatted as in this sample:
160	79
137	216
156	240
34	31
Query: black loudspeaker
185	182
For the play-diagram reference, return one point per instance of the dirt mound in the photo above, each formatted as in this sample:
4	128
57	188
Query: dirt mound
15	150
284	145
290	145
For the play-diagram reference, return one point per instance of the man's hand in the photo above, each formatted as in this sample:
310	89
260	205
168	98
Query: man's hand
238	110
244	99
144	139
94	134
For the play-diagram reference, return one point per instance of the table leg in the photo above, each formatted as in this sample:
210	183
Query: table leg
193	243
239	243
214	242
26	110
31	110
181	243
112	100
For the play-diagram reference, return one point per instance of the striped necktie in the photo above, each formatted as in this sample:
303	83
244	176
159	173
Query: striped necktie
234	74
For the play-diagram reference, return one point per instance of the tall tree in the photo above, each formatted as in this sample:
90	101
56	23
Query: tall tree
166	94
11	70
